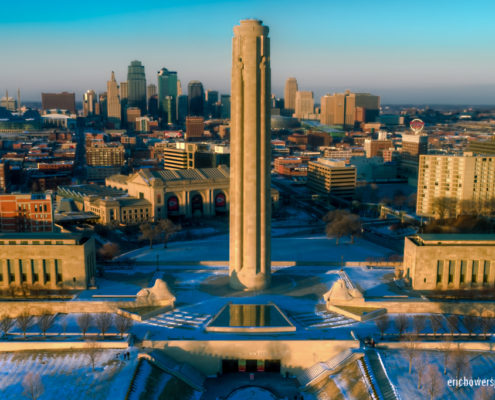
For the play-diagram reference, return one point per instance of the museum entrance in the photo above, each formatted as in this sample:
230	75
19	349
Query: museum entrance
232	366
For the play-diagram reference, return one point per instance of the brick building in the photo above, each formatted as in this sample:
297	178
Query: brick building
26	213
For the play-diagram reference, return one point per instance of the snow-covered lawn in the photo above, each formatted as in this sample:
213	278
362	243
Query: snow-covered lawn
396	363
307	248
67	374
374	282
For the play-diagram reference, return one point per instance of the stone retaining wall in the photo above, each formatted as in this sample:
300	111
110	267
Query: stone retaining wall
37	307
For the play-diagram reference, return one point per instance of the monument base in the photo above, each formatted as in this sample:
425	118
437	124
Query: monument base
248	281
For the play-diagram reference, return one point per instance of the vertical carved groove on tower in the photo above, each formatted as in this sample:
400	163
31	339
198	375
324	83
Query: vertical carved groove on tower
250	200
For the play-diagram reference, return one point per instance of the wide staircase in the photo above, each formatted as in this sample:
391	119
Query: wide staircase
321	319
377	371
178	319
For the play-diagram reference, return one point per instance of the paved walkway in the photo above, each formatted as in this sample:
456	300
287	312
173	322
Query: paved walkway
220	388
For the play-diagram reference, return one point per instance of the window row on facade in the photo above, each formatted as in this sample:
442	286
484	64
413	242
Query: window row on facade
30	271
462	272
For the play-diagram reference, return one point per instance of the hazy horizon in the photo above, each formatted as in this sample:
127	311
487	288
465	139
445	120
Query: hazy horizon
422	53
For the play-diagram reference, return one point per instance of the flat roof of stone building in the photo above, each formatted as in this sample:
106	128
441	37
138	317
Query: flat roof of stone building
79	238
453	239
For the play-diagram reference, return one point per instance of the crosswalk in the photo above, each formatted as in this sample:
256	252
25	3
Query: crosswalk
178	319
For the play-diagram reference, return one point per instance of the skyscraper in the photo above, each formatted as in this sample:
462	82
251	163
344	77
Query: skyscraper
113	102
225	106
179	87
136	80
150	90
182	108
211	97
304	105
167	95
196	98
124	90
89	103
340	108
124	94
250	203
103	103
290	95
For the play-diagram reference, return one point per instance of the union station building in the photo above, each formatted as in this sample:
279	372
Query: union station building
150	195
154	195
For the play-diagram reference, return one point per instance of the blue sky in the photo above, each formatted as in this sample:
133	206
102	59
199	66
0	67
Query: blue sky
416	51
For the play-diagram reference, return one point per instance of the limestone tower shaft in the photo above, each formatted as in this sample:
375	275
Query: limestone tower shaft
250	200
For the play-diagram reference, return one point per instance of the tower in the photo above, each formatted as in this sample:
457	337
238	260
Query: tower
136	86
167	95
290	95
250	203
113	102
196	98
89	103
304	104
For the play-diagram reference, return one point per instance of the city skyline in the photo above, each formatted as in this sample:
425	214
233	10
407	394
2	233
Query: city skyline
404	53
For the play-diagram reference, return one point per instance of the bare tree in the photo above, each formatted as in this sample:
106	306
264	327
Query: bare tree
167	228
468	207
419	322
382	323
460	362
45	321
123	324
453	322
342	223
103	322
433	383
6	324
420	365
443	207
471	322
109	250
33	387
435	323
64	324
84	321
148	232
446	353
411	351
485	393
92	351
401	324
487	325
24	321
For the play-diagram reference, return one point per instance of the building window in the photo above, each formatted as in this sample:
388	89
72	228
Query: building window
474	276
451	270
439	271
141	195
486	272
58	271
463	271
